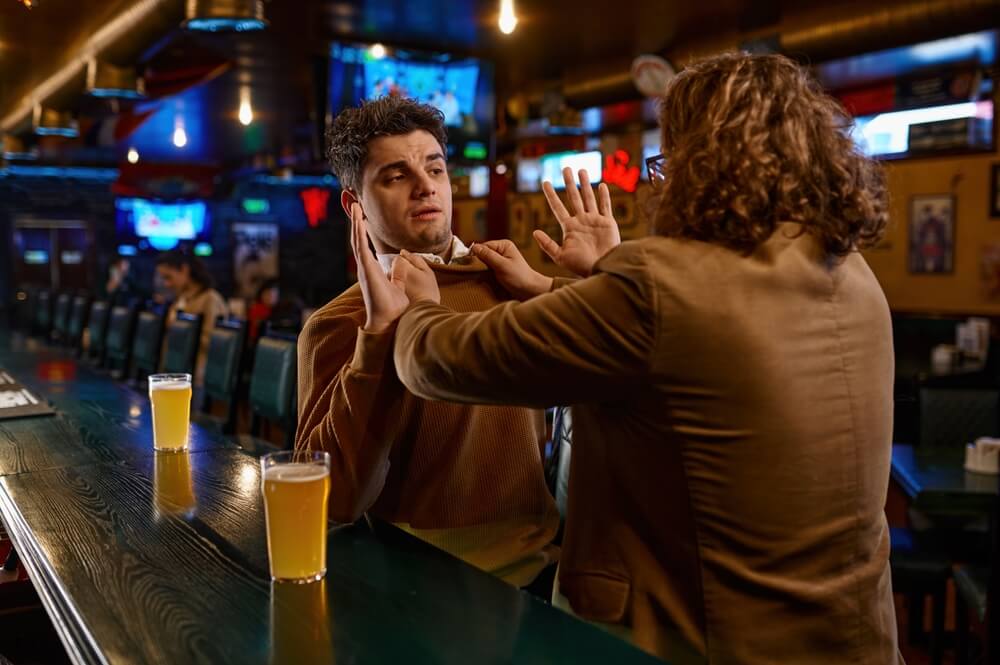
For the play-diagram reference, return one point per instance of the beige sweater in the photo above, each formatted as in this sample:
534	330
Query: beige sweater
732	428
466	478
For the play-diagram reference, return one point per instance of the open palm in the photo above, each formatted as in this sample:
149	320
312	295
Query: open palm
385	297
588	234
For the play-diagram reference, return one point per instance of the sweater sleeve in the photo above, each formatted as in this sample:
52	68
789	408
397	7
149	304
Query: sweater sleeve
586	341
347	387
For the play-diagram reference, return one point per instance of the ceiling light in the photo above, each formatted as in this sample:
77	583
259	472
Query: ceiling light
225	15
377	51
508	19
246	110
132	156
51	122
180	136
107	80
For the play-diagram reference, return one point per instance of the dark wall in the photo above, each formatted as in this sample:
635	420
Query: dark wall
312	259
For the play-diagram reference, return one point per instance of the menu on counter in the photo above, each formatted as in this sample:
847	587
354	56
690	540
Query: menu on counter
16	401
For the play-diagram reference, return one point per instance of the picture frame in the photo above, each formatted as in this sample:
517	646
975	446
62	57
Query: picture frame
995	190
932	234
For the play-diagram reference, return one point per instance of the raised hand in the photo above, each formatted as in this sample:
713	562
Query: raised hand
512	271
588	234
385	298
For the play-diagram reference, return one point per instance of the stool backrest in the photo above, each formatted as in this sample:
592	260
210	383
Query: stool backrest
273	383
118	341
181	348
97	328
147	342
78	312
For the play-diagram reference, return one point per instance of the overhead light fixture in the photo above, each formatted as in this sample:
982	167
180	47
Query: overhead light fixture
132	156
246	110
180	136
225	15
108	81
377	51
508	19
51	122
14	149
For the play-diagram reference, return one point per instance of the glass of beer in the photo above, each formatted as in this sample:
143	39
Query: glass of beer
296	486
170	395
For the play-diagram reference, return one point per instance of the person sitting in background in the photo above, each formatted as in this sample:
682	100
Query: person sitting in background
267	298
120	286
731	380
468	479
188	279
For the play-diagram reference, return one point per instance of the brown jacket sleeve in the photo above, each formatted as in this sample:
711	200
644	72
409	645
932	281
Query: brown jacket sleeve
347	388
587	341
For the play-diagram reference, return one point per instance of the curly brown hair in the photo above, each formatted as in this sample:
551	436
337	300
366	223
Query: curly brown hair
752	141
348	137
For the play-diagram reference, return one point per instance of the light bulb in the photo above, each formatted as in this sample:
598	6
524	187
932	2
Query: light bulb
377	51
246	111
132	156
508	20
180	137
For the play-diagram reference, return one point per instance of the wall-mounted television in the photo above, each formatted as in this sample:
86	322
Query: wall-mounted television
160	225
553	165
460	87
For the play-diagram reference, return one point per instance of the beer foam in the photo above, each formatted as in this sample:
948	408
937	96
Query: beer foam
169	385
294	473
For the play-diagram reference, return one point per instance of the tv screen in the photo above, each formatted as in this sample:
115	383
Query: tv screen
552	166
161	225
460	87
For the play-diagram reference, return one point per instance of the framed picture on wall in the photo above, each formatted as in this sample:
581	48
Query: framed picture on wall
932	233
995	191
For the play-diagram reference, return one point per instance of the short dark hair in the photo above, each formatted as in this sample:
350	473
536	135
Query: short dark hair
348	137
177	258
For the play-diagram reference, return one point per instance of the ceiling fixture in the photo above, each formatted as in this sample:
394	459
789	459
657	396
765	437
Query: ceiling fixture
246	110
180	136
50	122
225	15
508	19
108	81
132	156
377	51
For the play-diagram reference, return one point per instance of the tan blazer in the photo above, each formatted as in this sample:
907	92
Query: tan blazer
732	437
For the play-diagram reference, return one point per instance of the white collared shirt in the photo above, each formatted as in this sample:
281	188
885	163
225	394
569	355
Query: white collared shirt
458	251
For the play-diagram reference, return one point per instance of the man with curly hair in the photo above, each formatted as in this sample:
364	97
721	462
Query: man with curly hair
731	380
466	478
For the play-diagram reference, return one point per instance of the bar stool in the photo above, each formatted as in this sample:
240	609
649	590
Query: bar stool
223	368
273	384
146	344
97	331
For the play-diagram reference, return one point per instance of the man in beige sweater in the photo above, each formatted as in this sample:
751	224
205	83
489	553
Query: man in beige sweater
466	478
731	381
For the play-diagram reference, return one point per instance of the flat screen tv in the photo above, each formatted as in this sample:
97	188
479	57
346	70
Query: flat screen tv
160	225
460	87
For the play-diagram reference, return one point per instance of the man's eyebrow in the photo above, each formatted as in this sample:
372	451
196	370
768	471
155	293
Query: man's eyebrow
434	157
401	164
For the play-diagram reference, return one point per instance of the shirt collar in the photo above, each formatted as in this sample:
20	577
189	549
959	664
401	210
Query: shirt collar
458	251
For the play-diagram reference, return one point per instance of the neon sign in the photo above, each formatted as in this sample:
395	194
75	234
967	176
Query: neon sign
618	172
314	200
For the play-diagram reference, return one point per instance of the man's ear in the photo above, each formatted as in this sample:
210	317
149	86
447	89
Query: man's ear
347	199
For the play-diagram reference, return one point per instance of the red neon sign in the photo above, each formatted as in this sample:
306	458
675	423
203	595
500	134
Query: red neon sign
315	200
618	172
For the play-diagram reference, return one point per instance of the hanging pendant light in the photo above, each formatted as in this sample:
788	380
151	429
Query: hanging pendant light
52	122
108	81
225	15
